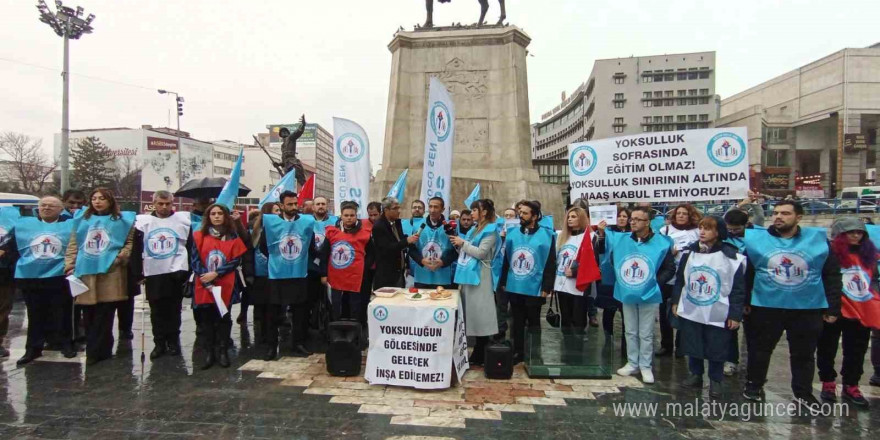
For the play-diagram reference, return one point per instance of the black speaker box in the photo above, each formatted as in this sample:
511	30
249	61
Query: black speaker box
343	356
498	361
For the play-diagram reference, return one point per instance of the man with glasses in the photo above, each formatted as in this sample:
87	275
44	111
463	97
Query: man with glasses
391	244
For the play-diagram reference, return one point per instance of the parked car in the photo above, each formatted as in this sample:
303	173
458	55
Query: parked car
816	207
860	205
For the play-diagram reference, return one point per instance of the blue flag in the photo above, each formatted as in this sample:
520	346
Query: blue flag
399	188
287	183
475	195
230	190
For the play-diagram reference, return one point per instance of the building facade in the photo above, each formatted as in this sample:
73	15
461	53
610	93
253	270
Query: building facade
812	131
625	96
315	149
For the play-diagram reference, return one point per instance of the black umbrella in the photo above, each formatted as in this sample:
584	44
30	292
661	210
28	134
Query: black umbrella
207	188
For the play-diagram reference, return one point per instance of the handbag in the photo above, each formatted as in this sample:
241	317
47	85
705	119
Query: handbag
553	316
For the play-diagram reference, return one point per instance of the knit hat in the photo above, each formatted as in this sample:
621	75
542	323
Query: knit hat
846	224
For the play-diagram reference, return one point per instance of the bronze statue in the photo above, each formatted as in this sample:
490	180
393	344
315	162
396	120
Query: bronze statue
484	7
288	150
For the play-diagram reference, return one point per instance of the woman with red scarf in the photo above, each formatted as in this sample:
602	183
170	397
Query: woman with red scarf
217	254
860	307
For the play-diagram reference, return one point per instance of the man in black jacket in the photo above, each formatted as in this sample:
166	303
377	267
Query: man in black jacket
391	246
802	325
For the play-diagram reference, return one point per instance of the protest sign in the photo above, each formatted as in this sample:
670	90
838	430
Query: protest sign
687	166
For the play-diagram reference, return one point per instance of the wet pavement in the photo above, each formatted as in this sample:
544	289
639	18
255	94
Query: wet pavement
125	398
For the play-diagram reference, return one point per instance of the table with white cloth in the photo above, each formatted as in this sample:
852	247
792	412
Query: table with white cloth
419	344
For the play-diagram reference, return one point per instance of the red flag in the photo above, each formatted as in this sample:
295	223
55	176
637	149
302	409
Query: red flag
307	191
588	268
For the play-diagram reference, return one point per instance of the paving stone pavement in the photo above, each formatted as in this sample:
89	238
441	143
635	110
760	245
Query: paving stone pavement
124	398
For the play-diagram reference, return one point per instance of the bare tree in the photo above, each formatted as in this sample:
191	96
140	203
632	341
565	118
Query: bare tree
127	181
27	165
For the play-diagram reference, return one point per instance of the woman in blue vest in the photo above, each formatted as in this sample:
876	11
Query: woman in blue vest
642	263
708	300
605	292
683	231
260	287
528	273
474	275
98	254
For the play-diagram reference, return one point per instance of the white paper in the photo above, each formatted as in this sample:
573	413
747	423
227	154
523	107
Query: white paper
603	212
218	299
77	287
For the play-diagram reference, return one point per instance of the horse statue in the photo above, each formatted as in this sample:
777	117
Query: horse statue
484	7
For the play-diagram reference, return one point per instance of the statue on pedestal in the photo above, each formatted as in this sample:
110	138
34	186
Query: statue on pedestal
484	7
288	150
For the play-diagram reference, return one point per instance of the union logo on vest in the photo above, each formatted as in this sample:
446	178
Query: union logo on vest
291	247
432	250
566	256
583	160
341	255
788	269
703	286
635	271
161	243
97	241
440	121
855	284
215	259
726	149
319	239
522	262
45	246
350	147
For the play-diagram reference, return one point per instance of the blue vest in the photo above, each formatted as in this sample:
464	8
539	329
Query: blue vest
469	268
433	242
261	264
288	244
657	223
8	217
788	271
528	256
42	247
195	221
547	222
874	235
738	242
635	266
100	239
320	226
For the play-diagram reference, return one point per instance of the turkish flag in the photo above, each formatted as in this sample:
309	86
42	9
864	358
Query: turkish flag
588	268
307	191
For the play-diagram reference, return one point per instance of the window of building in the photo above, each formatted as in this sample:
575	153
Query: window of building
646	128
618	120
692	101
618	96
668	93
618	129
667	118
704	125
704	117
681	118
648	78
658	94
682	102
668	127
682	76
669	77
648	103
692	118
681	127
658	78
692	92
776	158
692	126
693	75
646	120
704	92
704	100
682	93
777	135
618	104
646	95
704	75
658	119
619	77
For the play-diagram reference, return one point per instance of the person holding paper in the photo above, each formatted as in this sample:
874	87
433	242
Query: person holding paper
605	289
166	269
642	262
528	273
347	250
391	244
289	241
708	299
39	274
432	254
683	231
477	251
217	252
98	254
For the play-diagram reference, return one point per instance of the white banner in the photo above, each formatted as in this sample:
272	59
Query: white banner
412	345
439	134
351	165
673	166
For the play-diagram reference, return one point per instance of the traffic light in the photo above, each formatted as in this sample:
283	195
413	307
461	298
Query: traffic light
180	106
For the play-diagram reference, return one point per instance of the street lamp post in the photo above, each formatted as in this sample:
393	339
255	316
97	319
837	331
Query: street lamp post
67	24
179	100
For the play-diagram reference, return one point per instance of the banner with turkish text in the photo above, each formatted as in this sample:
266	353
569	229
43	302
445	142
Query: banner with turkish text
439	134
351	165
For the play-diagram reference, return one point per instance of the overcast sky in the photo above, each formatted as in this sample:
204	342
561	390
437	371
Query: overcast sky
244	64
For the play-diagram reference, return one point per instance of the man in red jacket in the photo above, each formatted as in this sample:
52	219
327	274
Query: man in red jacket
349	244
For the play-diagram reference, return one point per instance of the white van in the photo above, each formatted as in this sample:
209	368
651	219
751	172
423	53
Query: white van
857	192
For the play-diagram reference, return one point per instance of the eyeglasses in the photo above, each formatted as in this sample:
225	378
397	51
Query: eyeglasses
639	220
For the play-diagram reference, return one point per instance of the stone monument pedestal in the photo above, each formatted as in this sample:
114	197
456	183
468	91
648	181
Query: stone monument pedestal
485	71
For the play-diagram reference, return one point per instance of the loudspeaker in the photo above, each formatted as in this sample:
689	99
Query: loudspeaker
343	357
499	360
